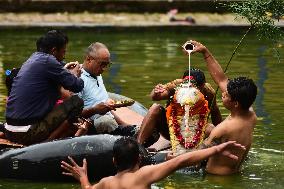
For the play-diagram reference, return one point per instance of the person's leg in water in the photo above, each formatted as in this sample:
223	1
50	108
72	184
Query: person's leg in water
155	121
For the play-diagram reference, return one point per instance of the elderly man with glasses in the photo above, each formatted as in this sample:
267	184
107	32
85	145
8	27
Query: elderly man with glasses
97	104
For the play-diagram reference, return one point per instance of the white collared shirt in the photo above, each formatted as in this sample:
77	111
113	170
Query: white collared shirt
94	91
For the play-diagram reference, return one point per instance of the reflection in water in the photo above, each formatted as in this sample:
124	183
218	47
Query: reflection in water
171	48
262	77
221	181
113	71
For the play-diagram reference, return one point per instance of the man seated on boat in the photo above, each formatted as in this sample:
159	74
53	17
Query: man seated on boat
130	175
156	121
31	114
94	94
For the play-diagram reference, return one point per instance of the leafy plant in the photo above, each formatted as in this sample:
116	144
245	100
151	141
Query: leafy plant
261	14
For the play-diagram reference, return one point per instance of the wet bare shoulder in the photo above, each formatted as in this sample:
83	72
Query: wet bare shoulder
106	183
224	127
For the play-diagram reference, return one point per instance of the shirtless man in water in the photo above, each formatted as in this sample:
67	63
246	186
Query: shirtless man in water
129	175
237	95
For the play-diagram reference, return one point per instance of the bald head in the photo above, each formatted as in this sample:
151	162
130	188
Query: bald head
97	59
95	49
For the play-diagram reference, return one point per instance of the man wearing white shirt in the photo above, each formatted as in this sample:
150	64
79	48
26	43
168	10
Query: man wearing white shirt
97	60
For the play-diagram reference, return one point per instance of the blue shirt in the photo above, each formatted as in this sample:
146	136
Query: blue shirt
36	88
94	91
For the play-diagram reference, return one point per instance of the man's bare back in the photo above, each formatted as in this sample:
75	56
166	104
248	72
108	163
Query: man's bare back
238	128
123	180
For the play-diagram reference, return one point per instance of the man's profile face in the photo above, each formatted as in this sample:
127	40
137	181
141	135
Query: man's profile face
227	101
100	63
60	54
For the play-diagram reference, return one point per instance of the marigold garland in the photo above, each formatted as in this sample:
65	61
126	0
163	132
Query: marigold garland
175	115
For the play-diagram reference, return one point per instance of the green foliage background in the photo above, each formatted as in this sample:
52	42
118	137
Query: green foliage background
261	14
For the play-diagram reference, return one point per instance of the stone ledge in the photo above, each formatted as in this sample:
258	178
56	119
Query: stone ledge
139	6
120	19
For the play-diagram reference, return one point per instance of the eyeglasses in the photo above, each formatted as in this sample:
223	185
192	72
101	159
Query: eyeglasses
103	64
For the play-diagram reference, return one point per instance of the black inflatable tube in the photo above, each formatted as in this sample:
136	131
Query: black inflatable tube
42	161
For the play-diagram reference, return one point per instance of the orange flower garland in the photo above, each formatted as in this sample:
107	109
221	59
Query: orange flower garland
191	138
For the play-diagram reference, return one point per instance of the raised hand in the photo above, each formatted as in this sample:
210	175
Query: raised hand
225	149
198	47
74	68
159	88
74	169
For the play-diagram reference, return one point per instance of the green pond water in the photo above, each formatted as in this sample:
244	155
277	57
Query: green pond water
145	58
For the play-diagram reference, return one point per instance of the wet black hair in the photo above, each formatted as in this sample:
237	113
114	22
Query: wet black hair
51	39
197	75
242	90
125	153
10	75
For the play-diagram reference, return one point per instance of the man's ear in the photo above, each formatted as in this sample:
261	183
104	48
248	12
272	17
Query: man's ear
53	51
114	161
236	104
89	57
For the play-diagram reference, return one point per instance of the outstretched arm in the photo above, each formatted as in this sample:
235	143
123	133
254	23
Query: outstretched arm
153	173
213	66
101	108
79	173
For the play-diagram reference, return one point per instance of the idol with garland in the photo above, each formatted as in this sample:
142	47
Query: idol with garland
159	120
187	117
